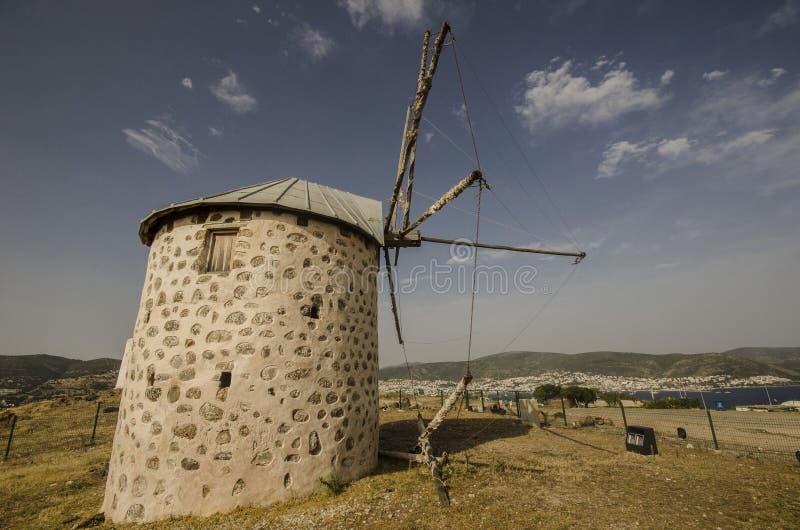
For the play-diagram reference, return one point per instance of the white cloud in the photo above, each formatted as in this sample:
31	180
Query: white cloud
667	76
315	43
617	153
213	131
428	136
557	97
781	18
388	12
673	148
714	75
774	75
777	72
229	91
600	62
187	82
256	9
162	142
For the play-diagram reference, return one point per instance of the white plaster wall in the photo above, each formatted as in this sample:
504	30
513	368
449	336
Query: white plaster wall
303	401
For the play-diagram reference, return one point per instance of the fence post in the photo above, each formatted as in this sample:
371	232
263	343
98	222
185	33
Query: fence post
516	398
96	415
441	396
564	411
483	406
10	436
400	400
713	432
624	419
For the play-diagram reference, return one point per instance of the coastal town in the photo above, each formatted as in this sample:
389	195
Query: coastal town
605	383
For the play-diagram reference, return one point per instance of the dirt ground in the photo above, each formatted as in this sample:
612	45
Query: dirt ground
502	474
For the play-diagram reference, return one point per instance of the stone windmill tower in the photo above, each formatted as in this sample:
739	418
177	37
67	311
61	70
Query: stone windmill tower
253	367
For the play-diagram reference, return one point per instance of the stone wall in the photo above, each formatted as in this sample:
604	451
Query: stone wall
247	387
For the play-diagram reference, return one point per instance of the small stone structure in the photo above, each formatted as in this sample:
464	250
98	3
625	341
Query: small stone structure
247	385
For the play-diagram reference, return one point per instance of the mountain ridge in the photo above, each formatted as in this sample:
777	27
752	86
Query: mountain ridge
739	362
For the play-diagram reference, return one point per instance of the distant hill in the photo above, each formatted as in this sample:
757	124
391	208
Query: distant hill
23	376
742	362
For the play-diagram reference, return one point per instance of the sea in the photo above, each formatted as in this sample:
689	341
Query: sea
729	398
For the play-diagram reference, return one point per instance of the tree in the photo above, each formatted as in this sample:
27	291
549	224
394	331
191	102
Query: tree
613	398
546	392
579	396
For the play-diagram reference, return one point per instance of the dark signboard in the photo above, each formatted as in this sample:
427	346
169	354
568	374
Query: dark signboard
641	440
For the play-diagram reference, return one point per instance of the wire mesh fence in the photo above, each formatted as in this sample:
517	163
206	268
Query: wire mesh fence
46	428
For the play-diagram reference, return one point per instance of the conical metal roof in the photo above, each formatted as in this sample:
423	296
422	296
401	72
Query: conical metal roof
292	194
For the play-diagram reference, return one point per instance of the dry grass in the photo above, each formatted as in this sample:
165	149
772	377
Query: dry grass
501	475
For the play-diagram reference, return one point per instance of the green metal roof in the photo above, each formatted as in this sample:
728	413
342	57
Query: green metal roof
292	194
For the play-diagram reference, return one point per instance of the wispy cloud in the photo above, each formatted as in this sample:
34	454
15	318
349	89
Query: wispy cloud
713	75
673	148
256	9
232	93
774	75
163	143
387	12
783	17
666	77
559	97
213	131
187	82
313	42
617	153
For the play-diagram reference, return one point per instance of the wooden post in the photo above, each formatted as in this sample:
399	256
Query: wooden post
483	407
516	397
713	432
441	396
96	416
10	436
564	411
624	419
400	400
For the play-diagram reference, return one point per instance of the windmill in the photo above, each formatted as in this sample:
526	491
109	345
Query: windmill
400	231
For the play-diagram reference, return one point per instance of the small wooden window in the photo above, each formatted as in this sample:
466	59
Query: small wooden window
220	250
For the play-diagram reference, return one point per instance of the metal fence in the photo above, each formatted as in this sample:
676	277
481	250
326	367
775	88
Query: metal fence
762	433
51	427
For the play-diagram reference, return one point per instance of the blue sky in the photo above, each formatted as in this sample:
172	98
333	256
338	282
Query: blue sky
666	134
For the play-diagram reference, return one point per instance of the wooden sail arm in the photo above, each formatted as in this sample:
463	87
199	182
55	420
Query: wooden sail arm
451	195
424	84
392	295
447	406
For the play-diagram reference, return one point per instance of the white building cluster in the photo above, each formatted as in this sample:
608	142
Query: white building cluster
597	381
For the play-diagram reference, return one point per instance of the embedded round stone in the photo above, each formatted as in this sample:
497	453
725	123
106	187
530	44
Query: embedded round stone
211	412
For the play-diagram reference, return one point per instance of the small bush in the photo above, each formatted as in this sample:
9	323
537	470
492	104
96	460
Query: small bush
333	485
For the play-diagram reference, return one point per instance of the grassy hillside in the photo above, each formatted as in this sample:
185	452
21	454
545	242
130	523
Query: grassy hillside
738	363
501	474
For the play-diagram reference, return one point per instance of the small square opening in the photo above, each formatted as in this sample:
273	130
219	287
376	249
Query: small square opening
224	379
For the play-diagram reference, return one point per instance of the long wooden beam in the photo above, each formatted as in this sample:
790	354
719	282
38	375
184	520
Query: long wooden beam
577	255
